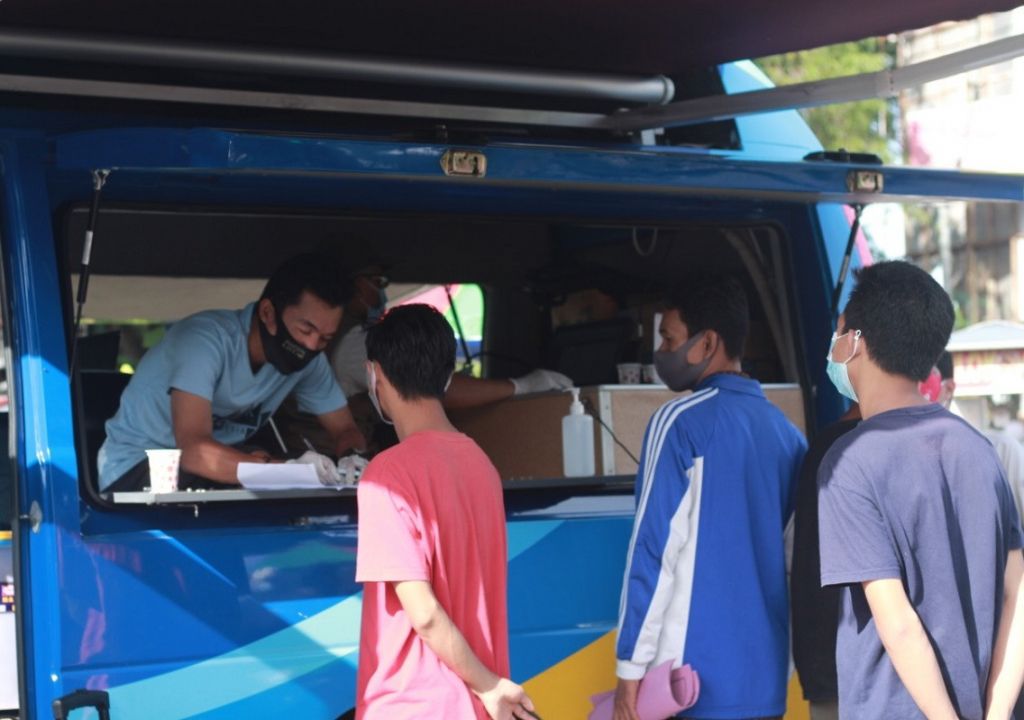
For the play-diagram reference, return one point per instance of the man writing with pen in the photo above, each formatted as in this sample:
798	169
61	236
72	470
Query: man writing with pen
217	377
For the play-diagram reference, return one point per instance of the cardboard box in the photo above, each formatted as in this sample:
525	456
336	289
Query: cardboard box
523	435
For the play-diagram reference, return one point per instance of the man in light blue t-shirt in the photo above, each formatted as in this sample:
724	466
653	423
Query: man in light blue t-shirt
217	376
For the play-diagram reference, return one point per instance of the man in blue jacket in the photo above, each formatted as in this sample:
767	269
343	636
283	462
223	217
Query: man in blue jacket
705	579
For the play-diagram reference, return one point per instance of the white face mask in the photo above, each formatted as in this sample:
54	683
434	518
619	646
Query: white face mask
371	384
838	372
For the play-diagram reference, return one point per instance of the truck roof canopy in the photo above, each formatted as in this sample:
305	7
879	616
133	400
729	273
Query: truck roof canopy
669	37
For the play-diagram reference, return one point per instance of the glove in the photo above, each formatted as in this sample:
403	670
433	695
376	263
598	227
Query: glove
350	469
326	473
540	381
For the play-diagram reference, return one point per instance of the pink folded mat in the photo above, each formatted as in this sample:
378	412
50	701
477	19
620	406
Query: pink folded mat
663	693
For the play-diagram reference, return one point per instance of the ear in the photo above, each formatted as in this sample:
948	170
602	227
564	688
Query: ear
710	343
387	393
382	379
265	308
860	345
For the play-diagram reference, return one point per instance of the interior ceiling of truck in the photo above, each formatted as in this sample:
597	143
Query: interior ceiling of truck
619	36
549	258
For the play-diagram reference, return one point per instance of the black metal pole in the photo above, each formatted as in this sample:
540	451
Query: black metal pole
845	267
99	179
458	327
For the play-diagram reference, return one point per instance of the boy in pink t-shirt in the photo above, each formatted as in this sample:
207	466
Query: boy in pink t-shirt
432	550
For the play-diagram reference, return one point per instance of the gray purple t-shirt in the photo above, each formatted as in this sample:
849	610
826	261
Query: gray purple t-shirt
916	494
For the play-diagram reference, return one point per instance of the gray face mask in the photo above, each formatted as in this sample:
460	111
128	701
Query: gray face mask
675	370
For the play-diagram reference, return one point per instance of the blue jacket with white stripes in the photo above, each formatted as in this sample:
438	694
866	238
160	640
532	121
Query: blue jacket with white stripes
705	576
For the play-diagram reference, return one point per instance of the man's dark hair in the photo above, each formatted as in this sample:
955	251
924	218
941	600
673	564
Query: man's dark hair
315	273
945	365
714	303
904	316
415	347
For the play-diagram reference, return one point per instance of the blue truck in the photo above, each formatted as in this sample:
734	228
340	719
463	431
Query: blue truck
144	179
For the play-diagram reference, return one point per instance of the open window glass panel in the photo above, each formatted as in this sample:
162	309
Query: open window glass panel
573	297
599	300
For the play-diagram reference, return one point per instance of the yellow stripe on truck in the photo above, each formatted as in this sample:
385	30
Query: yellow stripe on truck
564	690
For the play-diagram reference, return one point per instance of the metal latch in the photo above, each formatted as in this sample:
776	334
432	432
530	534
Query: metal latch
34	517
469	163
865	181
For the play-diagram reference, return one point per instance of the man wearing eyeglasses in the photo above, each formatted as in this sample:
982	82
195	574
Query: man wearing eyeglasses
348	357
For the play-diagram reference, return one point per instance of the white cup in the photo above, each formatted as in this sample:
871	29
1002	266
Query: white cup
650	373
629	373
163	469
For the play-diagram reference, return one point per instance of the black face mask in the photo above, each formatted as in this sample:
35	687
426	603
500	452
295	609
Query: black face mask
281	350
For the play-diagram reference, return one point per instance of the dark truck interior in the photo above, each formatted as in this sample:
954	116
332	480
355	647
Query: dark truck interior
536	277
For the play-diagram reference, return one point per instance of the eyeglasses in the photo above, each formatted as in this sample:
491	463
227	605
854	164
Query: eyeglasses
379	281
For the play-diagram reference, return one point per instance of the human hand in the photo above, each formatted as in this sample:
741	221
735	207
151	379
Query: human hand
506	701
625	700
350	469
540	381
260	456
326	473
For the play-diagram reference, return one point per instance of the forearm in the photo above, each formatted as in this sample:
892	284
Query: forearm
442	636
345	434
1007	672
349	439
912	655
213	460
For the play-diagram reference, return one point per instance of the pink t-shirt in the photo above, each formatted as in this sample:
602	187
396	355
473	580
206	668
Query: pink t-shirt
431	509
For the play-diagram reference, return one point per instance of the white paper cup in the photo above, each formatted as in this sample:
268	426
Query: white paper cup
650	373
629	373
163	470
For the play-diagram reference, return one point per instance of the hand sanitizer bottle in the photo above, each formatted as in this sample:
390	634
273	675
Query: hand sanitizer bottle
577	440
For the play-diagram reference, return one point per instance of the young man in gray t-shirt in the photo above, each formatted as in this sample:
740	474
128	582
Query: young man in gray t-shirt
917	523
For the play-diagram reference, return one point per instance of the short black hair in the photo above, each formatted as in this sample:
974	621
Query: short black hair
415	347
716	303
904	316
945	365
316	273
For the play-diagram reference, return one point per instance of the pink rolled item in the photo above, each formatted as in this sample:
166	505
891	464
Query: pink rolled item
663	693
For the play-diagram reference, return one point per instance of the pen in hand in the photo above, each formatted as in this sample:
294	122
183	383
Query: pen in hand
277	434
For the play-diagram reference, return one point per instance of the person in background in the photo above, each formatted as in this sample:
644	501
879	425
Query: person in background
431	548
348	355
705	580
917	523
815	609
947	385
217	376
1009	450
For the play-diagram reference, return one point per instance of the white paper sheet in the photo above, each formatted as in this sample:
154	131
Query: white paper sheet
278	476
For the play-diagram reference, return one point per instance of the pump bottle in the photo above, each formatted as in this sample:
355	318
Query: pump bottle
577	440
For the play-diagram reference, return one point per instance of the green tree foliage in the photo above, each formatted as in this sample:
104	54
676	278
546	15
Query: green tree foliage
865	126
